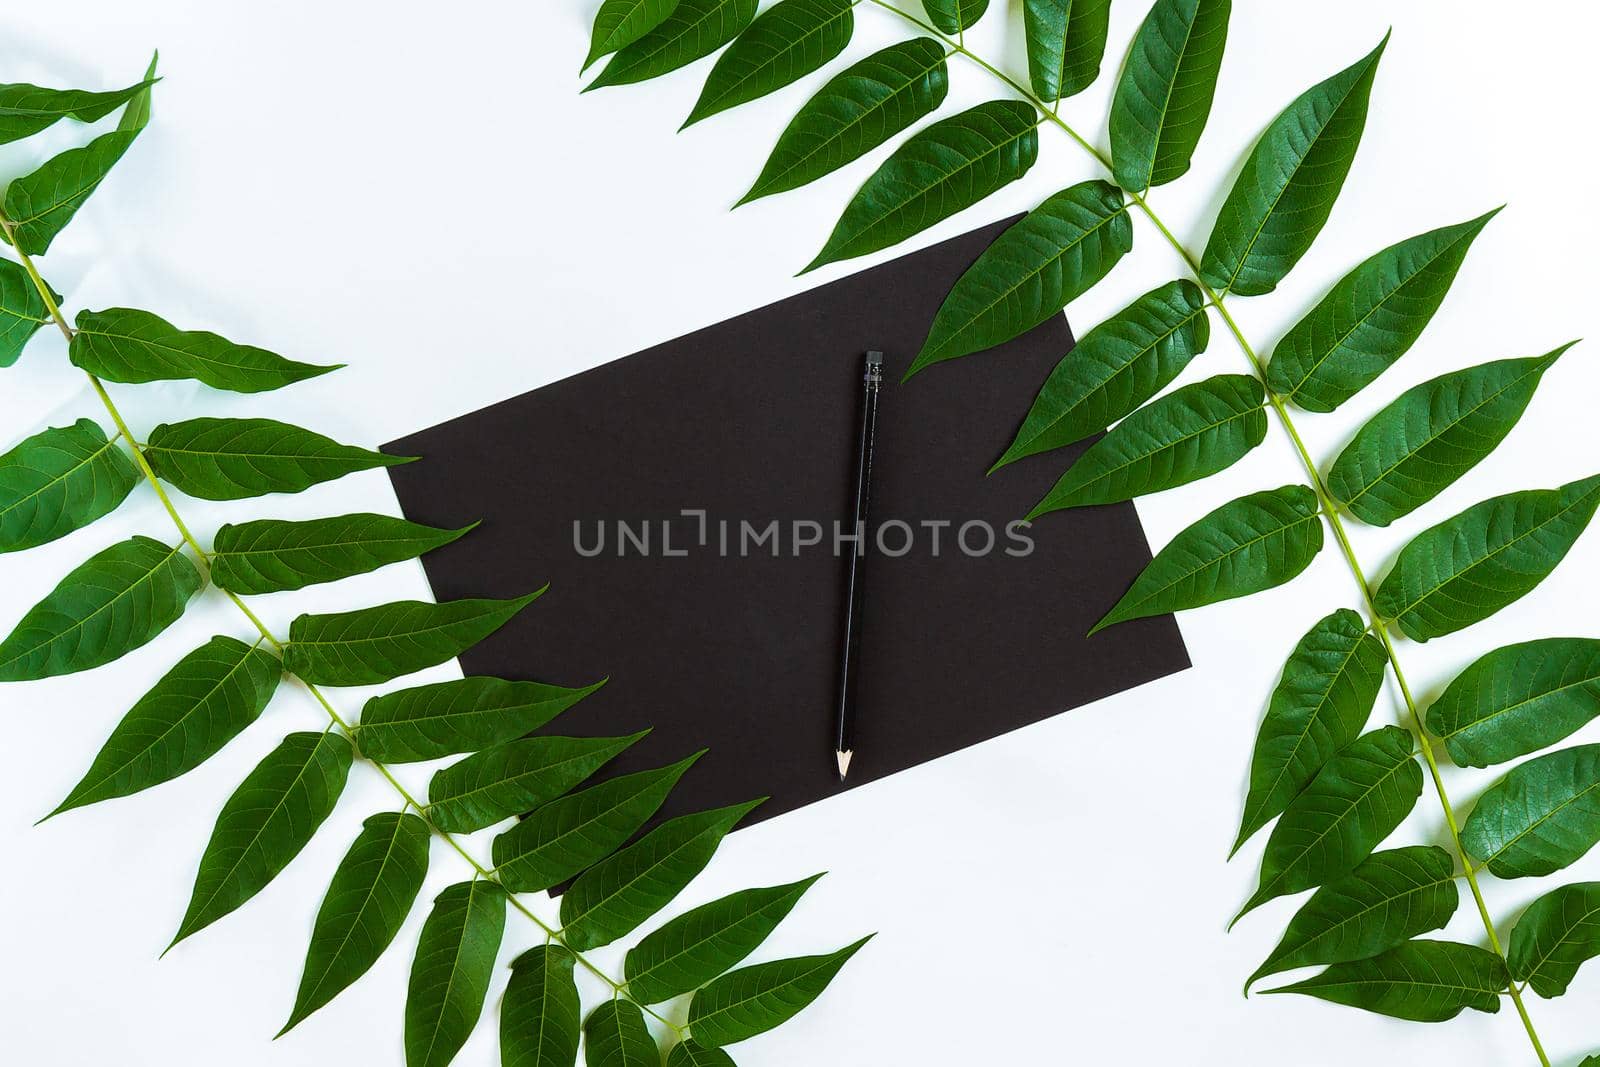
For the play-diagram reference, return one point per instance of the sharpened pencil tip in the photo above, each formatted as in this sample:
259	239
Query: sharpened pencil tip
844	764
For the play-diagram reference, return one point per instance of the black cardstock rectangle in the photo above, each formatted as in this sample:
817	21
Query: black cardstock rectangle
753	420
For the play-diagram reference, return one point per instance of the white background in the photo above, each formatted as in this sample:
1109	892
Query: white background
418	189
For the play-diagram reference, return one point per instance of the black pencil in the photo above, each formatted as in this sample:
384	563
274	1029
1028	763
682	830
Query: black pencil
855	596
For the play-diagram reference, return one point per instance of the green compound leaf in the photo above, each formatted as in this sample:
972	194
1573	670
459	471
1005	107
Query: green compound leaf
265	823
614	1035
1354	802
567	836
1518	699
515	777
1321	704
1418	446
444	718
1541	817
619	23
1556	935
1247	545
1164	95
700	944
372	891
1388	899
234	459
940	170
41	204
198	706
785	43
120	599
1114	368
688	1054
451	971
60	480
1055	254
1422	981
1284	195
27	109
22	310
375	644
857	111
622	892
1066	42
1370	319
539	1024
753	1000
1471	565
692	30
1189	434
126	345
953	16
273	555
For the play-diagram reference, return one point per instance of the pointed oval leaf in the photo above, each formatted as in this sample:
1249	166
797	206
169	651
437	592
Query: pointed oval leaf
692	30
1189	434
539	1021
1053	255
753	1000
234	459
1164	95
273	555
1541	817
1518	699
1494	553
688	1054
22	311
1556	935
700	944
1114	368
1423	981
857	111
265	823
136	116
1321	704
118	600
942	169
614	1035
375	644
1247	545
126	345
785	43
619	23
1285	193
1369	319
41	204
515	777
444	718
60	480
451	970
197	707
1066	41
953	16
372	891
27	109
1418	446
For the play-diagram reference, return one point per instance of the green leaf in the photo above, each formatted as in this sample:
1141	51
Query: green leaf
1247	545
692	30
539	1020
619	23
265	823
27	109
372	891
953	16
614	1035
1189	434
22	311
120	599
272	555
1539	818
1556	935
1370	319
375	644
1114	368
753	1000
1055	254
197	707
1321	704
1423	981
136	116
41	204
1518	699
515	777
567	836
1066	41
451	971
622	892
688	1054
234	459
700	944
1164	96
1285	193
58	481
126	345
857	111
785	43
943	168
1388	899
1418	446
1471	565
444	718
1354	802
